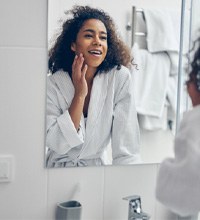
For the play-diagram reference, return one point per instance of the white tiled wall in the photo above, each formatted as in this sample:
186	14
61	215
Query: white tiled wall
34	191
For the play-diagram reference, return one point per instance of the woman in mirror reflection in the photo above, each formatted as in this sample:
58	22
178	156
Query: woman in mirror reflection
178	182
90	101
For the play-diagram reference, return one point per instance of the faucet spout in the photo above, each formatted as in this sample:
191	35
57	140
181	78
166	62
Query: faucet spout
141	216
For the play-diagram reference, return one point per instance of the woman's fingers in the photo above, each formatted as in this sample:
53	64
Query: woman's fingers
74	63
78	65
79	70
80	62
84	70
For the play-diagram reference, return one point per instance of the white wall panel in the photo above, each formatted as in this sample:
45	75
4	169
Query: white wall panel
23	23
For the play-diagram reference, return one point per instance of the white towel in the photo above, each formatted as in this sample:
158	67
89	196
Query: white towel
150	81
174	62
153	123
163	29
172	92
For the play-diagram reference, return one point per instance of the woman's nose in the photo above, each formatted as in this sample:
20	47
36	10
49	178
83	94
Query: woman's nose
97	42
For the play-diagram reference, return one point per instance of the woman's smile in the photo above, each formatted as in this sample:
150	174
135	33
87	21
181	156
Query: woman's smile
95	52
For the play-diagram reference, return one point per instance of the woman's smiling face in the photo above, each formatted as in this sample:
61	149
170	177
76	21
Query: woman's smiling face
91	41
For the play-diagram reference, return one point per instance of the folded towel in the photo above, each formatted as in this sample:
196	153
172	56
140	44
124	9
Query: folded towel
174	62
153	123
163	29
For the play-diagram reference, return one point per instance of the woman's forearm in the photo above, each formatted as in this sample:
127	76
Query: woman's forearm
76	109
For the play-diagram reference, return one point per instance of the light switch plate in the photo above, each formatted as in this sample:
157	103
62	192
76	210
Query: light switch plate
6	168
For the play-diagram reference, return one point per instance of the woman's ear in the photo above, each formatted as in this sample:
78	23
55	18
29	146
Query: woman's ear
73	46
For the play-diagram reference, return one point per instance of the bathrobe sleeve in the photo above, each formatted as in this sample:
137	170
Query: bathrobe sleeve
125	135
61	134
178	181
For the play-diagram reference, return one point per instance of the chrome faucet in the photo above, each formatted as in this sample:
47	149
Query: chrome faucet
135	209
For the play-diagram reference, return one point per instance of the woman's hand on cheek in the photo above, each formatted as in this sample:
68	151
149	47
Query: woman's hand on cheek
78	76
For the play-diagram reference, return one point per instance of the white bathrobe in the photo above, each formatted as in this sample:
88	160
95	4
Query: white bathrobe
178	182
111	115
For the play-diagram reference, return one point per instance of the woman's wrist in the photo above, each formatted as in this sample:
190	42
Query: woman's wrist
79	97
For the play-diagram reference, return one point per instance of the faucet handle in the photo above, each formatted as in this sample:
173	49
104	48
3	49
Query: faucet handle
134	203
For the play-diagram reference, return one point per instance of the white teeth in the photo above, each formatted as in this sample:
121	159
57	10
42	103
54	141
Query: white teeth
95	52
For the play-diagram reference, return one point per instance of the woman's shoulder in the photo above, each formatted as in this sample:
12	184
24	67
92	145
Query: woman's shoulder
190	124
121	69
120	77
58	76
121	72
192	114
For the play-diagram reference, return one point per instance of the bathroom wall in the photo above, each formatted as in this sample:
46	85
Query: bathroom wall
57	7
34	191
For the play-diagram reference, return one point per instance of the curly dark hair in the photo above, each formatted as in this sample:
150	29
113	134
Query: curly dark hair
61	56
194	72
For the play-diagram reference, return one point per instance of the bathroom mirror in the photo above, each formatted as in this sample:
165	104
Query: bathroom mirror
156	80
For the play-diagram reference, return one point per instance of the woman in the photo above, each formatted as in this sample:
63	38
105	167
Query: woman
178	183
90	94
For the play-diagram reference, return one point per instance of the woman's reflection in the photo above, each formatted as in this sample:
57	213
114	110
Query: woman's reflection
90	94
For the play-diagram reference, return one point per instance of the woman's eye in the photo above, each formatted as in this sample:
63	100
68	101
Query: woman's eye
88	35
103	38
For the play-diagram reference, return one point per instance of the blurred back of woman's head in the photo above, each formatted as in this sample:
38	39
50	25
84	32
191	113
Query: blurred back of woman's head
193	82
